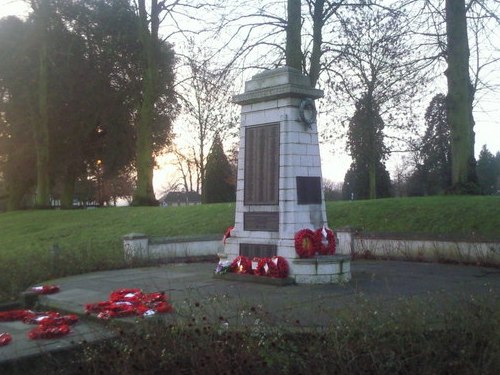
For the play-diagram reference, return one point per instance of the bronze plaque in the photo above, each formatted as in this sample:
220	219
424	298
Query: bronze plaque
308	190
257	250
263	221
262	157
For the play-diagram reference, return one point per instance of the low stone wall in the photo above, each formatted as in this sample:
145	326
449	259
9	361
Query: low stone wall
138	246
350	242
417	247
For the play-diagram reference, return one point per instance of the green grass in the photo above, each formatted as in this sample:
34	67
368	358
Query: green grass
464	216
92	239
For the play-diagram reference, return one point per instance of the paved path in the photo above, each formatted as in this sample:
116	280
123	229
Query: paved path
197	296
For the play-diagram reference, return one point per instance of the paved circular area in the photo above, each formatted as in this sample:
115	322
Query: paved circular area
197	296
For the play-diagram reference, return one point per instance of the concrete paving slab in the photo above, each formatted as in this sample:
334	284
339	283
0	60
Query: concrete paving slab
21	347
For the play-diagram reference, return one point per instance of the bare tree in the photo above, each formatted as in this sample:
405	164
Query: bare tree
447	24
177	13
256	33
460	97
185	162
293	38
207	111
379	74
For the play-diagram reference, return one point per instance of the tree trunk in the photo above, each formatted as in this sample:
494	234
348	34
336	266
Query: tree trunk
372	145
144	193
293	40
372	177
41	118
460	99
68	191
318	23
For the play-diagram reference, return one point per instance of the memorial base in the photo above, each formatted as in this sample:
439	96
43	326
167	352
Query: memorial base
255	279
332	269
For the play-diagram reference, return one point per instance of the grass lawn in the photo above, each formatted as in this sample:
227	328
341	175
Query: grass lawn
38	245
469	216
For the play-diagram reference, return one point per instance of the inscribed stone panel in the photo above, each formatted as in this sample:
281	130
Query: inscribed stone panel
257	250
262	155
261	221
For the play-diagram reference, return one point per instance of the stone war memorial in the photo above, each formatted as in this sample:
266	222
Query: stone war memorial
280	208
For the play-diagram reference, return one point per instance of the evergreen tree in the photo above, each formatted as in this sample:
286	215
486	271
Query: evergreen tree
17	143
366	146
433	174
219	184
84	126
356	182
488	171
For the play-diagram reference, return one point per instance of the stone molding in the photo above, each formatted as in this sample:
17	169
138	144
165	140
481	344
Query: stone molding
275	84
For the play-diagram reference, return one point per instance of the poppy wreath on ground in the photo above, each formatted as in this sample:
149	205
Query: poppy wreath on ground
48	332
305	243
119	310
329	247
241	264
5	338
50	318
97	307
130	295
162	307
130	302
14	315
45	289
49	324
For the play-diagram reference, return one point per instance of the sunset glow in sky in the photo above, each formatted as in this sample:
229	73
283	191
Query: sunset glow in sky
335	165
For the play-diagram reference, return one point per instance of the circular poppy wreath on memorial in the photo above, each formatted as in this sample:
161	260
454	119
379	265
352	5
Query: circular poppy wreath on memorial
281	269
329	247
262	267
307	112
305	243
241	264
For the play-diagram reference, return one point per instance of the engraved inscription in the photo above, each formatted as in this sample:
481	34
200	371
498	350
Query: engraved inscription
258	250
261	221
262	145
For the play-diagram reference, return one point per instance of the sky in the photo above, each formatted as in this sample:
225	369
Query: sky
335	161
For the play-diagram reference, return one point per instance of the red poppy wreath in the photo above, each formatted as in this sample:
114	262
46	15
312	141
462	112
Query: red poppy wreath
305	243
241	264
329	236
